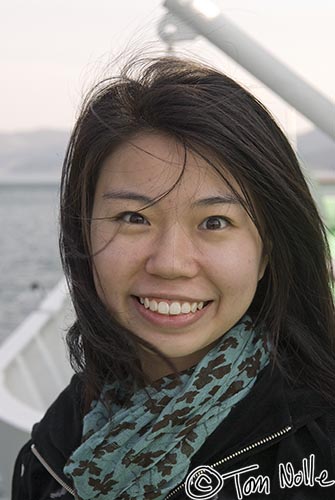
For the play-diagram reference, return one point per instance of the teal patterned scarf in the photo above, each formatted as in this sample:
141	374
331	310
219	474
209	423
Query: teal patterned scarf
143	450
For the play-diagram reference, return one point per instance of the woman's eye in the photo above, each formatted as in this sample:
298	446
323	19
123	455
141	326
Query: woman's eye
214	222
132	218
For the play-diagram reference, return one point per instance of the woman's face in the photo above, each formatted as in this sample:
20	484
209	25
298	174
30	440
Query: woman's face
182	272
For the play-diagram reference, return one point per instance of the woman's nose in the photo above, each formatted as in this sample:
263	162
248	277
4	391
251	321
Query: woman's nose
173	255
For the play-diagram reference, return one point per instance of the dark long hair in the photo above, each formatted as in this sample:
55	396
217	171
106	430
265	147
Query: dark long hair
212	115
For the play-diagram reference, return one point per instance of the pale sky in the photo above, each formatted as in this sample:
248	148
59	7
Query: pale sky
53	50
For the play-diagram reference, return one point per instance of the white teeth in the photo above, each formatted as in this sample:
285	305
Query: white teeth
186	308
153	306
173	309
163	308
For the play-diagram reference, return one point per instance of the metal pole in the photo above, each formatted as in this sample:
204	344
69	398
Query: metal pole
251	55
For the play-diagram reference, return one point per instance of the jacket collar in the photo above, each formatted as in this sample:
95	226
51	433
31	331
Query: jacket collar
59	433
271	406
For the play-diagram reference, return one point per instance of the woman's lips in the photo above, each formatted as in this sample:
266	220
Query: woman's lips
173	321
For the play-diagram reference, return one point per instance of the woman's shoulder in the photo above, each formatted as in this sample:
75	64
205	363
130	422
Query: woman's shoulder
283	428
53	439
61	426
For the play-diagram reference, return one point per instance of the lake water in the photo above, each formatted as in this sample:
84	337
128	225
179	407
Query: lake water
29	263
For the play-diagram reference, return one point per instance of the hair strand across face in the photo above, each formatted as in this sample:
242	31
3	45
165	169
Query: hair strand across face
212	116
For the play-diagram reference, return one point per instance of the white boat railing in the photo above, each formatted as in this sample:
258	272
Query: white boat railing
34	368
33	364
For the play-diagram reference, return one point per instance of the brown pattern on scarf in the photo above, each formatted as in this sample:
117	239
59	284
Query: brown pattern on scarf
184	441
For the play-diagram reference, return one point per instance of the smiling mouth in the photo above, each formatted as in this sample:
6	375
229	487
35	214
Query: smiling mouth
174	308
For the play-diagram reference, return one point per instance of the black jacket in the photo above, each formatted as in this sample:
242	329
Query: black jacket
285	434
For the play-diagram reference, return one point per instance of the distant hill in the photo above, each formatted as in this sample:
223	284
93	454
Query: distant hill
37	156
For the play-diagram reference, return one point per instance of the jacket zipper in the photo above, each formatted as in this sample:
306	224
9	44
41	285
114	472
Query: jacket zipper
264	440
52	472
252	446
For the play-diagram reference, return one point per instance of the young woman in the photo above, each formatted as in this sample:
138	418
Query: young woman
201	279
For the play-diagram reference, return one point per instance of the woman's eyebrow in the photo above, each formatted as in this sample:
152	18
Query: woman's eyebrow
127	195
216	200
211	200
